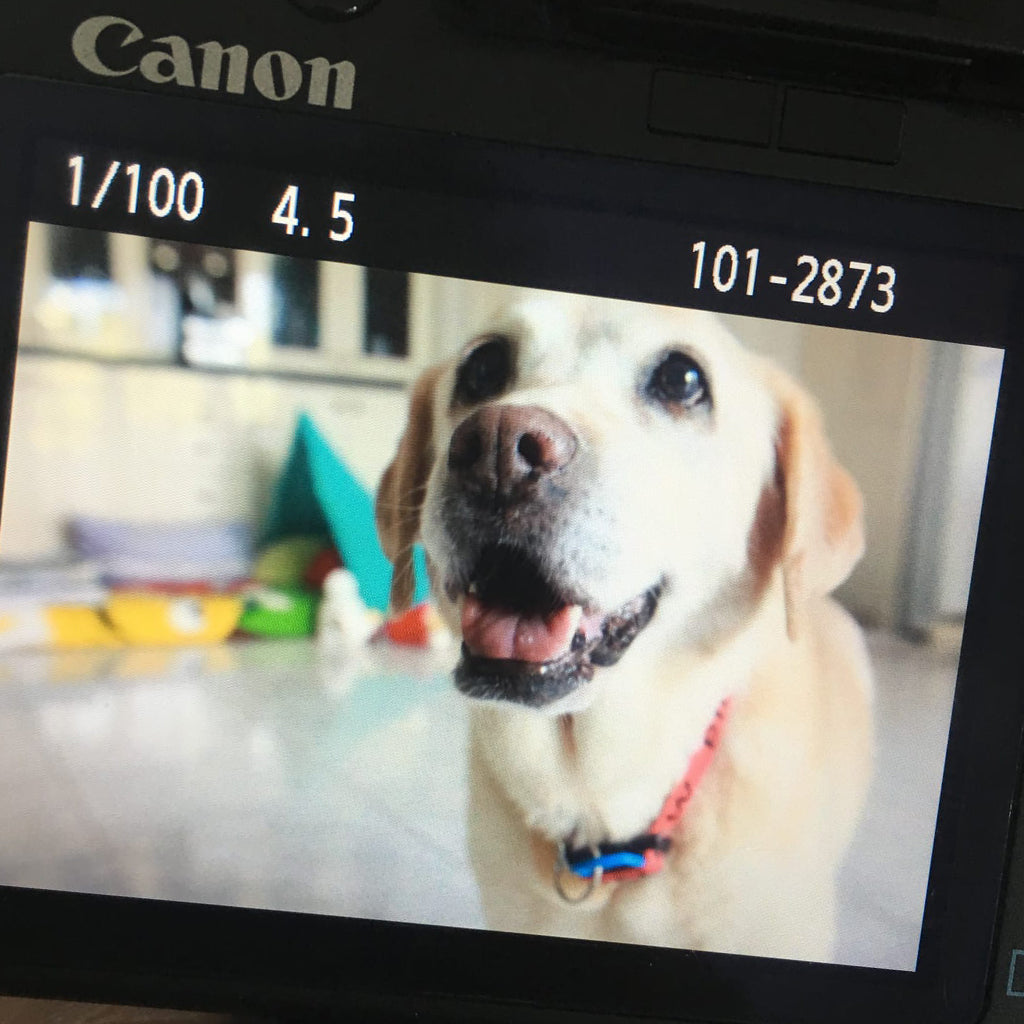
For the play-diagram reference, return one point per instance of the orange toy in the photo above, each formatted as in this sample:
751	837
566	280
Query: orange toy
412	628
418	627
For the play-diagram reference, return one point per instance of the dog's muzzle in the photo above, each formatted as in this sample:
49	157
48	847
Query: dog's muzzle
528	637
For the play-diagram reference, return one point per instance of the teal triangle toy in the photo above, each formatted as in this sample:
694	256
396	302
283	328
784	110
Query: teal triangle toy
317	495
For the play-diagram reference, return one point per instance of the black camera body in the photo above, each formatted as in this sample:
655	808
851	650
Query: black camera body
839	172
603	79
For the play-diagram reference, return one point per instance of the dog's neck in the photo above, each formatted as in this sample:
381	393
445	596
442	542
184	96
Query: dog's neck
603	773
568	727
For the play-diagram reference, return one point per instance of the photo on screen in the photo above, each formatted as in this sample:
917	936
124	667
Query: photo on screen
206	697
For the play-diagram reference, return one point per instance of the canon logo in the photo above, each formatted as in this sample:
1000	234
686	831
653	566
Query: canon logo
113	47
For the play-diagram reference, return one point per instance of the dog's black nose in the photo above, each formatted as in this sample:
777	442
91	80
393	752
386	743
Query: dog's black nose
502	452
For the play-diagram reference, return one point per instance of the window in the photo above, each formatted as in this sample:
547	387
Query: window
112	296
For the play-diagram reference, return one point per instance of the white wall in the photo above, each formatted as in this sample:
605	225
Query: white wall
165	444
971	440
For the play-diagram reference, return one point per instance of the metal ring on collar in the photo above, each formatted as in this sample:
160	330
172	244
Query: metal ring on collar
562	867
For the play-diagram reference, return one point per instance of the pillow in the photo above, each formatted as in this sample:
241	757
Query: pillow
135	554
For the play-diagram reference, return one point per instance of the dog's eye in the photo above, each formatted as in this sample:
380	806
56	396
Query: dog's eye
485	372
677	380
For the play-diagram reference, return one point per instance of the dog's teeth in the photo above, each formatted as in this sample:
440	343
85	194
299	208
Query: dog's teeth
471	589
576	614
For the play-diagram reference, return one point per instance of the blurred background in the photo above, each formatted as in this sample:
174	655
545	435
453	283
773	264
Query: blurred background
199	699
181	370
912	421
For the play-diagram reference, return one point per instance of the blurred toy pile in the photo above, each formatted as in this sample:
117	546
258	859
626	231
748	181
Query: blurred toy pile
316	569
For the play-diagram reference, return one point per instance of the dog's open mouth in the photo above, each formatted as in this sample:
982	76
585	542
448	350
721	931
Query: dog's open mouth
527	640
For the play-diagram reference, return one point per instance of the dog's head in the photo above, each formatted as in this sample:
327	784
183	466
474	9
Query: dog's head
587	464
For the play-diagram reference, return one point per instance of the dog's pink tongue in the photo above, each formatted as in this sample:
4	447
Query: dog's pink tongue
495	633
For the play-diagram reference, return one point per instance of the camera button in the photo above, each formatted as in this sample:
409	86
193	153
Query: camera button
851	127
713	107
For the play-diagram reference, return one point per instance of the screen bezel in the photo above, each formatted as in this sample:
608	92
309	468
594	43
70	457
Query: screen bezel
124	948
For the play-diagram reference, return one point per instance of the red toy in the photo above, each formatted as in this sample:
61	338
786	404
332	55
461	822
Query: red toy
412	628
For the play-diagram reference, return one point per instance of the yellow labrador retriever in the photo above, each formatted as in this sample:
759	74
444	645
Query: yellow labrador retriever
634	524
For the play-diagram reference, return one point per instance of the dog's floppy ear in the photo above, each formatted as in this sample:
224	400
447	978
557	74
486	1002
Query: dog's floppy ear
823	536
403	488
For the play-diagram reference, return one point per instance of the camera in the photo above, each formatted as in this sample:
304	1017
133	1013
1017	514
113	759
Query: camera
510	510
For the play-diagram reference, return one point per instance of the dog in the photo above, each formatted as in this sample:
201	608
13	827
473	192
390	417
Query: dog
634	525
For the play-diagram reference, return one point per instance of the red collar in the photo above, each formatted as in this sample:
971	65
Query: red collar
644	854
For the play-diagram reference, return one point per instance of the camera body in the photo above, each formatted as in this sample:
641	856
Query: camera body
604	90
708	137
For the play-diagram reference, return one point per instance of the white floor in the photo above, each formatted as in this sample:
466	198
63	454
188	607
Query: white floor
883	883
262	775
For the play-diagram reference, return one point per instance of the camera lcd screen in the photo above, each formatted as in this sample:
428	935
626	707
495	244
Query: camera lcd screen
196	723
446	557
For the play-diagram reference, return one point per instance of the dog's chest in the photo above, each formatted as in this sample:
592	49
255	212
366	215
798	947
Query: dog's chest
577	781
535	762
